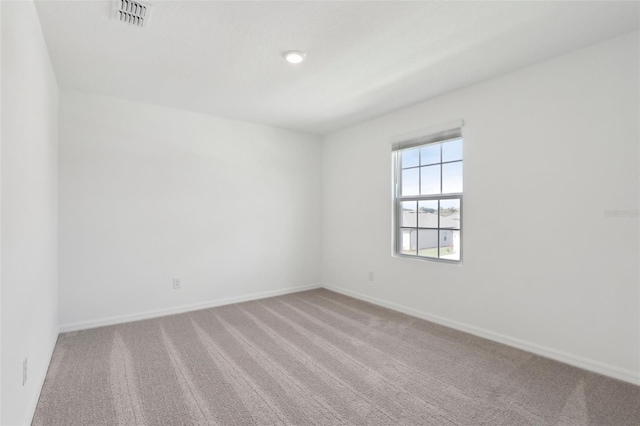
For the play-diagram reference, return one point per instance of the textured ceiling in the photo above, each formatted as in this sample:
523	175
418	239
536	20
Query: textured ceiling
364	58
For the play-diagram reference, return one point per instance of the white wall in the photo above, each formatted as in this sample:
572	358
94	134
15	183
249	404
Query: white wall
149	193
547	150
29	181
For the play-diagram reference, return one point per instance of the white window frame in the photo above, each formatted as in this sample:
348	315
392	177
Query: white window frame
440	137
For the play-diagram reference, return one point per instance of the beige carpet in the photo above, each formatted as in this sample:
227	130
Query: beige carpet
315	357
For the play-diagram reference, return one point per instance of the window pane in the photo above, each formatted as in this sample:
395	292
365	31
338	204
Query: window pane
410	158
452	151
450	214
427	214
409	241
428	242
452	177
430	154
430	176
411	182
409	215
449	244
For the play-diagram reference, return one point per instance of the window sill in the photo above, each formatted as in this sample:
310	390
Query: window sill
428	259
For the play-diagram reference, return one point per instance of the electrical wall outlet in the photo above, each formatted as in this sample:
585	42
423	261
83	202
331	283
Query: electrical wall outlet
24	371
371	276
177	283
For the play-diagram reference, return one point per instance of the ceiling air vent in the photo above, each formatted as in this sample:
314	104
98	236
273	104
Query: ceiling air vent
132	12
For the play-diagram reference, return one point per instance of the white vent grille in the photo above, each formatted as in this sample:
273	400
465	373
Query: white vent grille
132	12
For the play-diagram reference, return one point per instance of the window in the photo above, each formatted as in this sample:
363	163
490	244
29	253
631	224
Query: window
428	196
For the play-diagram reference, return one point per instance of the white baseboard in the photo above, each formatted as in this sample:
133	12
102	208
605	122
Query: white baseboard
101	322
574	360
33	404
567	358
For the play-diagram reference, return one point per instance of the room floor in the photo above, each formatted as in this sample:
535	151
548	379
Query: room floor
315	357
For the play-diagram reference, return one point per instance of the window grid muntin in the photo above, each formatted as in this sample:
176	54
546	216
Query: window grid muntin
399	168
400	228
433	197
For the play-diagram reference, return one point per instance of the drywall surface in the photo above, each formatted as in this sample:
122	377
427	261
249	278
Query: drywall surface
149	194
29	185
550	154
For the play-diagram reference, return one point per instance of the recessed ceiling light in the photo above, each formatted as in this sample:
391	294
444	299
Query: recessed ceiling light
294	56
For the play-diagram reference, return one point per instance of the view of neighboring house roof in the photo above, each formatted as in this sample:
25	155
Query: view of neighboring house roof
430	220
